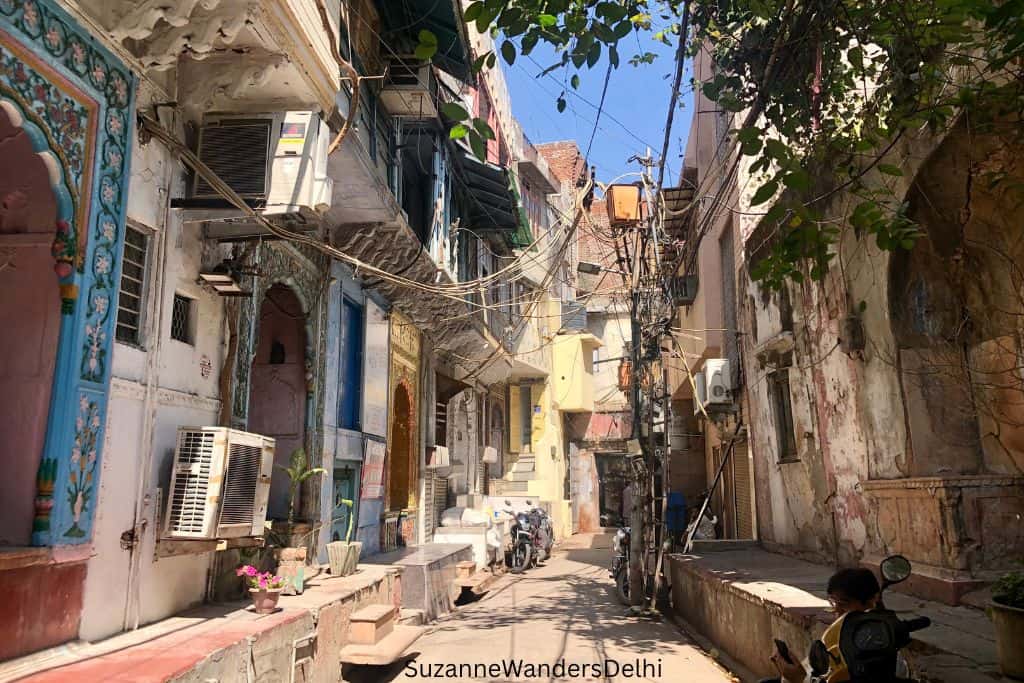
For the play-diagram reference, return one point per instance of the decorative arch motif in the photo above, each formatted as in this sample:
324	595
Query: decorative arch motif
76	100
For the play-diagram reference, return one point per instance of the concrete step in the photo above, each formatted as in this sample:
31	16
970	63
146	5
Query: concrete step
372	624
520	476
389	649
411	617
521	466
502	487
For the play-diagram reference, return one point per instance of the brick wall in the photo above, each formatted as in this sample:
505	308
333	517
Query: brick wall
594	236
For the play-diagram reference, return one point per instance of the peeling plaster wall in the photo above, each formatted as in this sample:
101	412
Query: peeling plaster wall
853	413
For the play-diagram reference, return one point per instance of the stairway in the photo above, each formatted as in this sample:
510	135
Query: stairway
517	480
377	638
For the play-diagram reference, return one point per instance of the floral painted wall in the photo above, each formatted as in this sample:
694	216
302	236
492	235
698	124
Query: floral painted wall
75	100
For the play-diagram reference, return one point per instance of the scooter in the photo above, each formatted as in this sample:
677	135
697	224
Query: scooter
544	538
619	571
865	648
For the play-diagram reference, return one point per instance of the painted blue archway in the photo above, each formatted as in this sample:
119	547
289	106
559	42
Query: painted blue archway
76	101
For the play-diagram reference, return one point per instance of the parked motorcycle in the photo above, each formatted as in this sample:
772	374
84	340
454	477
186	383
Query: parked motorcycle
865	649
521	553
619	570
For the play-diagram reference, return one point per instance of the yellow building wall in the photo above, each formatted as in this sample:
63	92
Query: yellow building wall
572	372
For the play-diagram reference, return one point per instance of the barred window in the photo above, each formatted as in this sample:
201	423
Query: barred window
133	286
181	319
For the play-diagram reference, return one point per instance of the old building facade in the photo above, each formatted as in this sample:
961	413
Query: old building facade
874	409
142	301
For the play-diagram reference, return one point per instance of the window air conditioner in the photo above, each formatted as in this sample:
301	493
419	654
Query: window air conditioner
410	89
718	381
276	161
437	457
219	485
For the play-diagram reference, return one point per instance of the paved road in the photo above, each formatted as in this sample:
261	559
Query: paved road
563	611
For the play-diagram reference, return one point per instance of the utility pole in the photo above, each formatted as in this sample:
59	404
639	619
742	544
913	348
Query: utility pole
648	496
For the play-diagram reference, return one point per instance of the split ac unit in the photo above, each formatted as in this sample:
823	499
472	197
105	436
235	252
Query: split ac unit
276	161
700	396
219	485
718	381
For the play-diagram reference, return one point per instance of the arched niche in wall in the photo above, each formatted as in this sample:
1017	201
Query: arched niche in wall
957	303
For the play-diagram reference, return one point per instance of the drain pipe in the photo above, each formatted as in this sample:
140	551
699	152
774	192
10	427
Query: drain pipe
150	379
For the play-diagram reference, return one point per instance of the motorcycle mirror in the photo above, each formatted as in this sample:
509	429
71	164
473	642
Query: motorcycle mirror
895	569
819	658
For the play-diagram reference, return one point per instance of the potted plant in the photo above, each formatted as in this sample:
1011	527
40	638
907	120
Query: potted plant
1007	610
292	554
264	588
344	555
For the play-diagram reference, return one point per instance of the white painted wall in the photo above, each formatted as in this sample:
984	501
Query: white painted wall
156	387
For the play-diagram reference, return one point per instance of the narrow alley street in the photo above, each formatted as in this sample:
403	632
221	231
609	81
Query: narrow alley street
563	610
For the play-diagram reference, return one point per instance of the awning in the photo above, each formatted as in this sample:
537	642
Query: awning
492	203
443	18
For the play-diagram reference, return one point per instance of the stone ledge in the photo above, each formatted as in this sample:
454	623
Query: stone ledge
222	642
742	599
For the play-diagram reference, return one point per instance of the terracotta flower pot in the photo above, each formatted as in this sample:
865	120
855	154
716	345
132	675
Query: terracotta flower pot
1009	625
264	601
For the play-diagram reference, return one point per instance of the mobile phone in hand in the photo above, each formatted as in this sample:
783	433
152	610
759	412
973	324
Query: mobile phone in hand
784	651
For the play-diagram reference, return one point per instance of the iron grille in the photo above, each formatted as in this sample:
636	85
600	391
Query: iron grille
190	485
133	280
243	474
237	151
181	319
574	315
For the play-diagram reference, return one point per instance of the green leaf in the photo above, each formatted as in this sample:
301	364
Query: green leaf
603	32
776	213
575	81
560	103
749	133
711	90
611	11
765	192
427	47
528	42
487	17
458	131
491	60
613	56
478	145
751	147
473	11
483	128
776	149
622	29
594	55
508	52
546	20
454	111
889	169
797	180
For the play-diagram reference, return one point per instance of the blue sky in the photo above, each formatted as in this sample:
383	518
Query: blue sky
634	111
